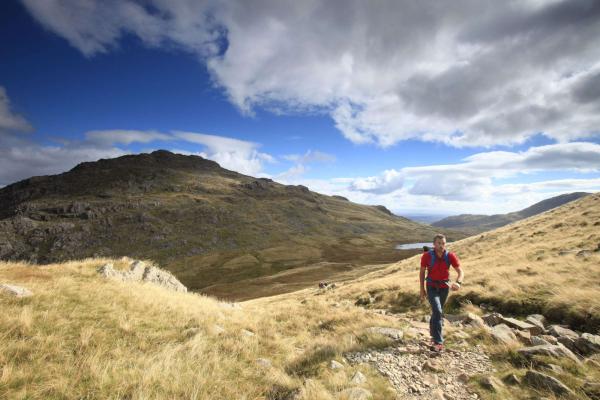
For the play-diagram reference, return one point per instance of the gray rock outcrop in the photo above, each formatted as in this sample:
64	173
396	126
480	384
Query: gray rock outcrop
549	350
14	290
503	334
543	381
139	271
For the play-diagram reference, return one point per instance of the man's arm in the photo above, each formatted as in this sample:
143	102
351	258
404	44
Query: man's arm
456	264
460	273
424	263
422	292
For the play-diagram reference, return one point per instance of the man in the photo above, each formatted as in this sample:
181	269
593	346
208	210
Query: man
438	273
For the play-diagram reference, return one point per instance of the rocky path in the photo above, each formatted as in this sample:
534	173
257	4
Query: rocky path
418	373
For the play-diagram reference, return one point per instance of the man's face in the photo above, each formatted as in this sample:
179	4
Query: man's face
439	245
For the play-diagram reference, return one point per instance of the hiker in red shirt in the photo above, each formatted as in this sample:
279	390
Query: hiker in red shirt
437	262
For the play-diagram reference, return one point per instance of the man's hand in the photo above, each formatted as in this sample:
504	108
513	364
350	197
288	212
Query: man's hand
422	296
454	286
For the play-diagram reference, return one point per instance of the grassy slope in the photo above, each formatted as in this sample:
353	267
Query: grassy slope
527	266
81	336
210	226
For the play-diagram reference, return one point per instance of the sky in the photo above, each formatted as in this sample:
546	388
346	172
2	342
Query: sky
428	107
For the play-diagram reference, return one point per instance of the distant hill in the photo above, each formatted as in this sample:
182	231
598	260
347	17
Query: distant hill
473	223
424	218
208	225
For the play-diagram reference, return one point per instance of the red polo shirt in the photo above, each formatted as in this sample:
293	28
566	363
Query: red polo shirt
440	271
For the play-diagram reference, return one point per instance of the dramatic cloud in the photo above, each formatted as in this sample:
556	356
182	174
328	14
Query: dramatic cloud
473	178
466	73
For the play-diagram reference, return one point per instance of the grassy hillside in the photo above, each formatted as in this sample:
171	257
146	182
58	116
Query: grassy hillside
80	336
210	226
549	263
473	223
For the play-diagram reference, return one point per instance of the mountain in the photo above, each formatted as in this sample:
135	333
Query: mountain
473	223
210	226
81	335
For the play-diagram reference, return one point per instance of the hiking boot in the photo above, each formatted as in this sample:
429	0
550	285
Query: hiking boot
437	347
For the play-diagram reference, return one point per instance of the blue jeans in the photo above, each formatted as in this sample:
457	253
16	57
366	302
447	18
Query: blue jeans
437	298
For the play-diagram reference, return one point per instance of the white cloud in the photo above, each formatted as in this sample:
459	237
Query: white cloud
21	157
469	73
473	178
388	181
108	137
301	164
498	199
234	154
310	156
9	121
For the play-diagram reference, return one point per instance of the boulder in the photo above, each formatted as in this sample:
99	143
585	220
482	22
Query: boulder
492	383
588	344
141	272
568	342
14	290
549	350
542	381
524	337
492	319
474	320
549	338
503	334
558	331
335	365
523	326
538	341
162	278
537	319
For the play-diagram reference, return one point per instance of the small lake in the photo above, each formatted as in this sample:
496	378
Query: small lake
411	246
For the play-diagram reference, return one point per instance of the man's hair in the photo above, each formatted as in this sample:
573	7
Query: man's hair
439	236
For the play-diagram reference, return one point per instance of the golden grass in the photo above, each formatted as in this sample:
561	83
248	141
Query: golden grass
81	336
528	266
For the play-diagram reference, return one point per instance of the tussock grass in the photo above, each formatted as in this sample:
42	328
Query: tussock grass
81	336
